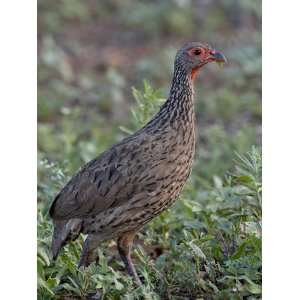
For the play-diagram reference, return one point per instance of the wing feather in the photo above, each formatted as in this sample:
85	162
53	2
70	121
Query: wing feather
107	181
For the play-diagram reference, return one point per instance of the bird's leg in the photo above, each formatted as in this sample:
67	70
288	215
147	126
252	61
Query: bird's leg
89	253
125	242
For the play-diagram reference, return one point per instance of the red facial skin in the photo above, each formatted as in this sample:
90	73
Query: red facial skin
206	55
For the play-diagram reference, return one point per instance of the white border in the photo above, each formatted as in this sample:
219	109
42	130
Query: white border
281	149
18	149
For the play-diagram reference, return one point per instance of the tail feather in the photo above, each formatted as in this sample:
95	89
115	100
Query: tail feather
64	231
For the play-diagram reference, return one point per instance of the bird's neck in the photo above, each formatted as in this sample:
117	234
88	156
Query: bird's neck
178	110
181	99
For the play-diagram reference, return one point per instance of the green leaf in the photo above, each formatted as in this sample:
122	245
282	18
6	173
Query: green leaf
42	283
198	252
119	286
240	251
254	288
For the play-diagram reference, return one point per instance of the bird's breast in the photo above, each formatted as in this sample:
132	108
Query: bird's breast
172	161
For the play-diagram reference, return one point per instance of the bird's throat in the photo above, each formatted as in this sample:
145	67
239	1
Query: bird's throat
181	96
194	73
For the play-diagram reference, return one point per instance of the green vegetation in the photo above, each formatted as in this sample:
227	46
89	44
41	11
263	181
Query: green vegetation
208	245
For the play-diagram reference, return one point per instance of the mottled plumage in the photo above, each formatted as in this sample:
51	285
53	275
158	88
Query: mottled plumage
125	187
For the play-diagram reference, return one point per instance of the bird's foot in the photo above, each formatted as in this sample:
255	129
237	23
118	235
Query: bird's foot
137	280
89	253
87	258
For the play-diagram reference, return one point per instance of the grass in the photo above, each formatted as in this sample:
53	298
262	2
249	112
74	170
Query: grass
207	246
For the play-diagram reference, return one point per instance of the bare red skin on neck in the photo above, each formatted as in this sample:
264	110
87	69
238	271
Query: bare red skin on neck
194	73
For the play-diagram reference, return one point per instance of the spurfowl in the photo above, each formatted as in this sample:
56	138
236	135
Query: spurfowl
117	193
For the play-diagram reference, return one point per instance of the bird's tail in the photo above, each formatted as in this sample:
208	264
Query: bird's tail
64	231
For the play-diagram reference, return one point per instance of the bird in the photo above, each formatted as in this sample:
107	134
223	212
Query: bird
114	195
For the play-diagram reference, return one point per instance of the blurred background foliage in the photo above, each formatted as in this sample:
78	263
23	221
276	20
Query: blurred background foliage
90	56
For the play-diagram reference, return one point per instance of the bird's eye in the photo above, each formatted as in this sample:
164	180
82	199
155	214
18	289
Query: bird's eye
197	52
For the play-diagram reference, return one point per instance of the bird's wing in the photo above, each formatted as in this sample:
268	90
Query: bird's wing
105	182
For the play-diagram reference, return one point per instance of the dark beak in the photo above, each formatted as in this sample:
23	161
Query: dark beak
218	57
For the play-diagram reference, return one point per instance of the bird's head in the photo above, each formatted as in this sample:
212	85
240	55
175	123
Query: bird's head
193	56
